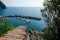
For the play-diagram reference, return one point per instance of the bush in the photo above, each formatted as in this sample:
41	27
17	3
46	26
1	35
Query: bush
5	26
50	34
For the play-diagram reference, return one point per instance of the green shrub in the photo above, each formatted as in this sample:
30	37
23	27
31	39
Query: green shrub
33	29
50	34
5	26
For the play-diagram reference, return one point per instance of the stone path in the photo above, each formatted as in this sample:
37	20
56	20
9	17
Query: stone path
19	33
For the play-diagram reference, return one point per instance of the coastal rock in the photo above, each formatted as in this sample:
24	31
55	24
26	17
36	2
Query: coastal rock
19	33
34	35
2	5
22	33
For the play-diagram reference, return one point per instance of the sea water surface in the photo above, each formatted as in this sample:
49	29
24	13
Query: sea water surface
25	11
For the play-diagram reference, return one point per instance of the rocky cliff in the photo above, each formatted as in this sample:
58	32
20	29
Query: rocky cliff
21	33
2	5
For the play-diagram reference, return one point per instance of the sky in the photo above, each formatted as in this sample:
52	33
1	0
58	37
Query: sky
23	3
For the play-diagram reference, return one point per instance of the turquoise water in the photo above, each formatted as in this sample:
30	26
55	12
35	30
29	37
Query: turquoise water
26	11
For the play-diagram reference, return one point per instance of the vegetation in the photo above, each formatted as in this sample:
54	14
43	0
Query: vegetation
5	26
33	29
50	34
51	14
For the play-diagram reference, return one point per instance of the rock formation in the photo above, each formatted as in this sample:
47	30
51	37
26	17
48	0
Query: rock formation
34	35
21	33
2	5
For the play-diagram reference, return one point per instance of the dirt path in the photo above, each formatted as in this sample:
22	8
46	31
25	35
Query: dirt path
19	33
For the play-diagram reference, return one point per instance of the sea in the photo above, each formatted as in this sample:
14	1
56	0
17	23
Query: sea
25	11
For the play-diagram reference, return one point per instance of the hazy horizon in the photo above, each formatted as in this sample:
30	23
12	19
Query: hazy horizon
23	3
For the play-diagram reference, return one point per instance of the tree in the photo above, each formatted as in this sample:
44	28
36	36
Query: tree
51	13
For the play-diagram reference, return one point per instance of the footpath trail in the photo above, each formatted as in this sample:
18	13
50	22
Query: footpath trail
19	33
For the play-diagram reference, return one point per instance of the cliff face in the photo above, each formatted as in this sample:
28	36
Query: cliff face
2	5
